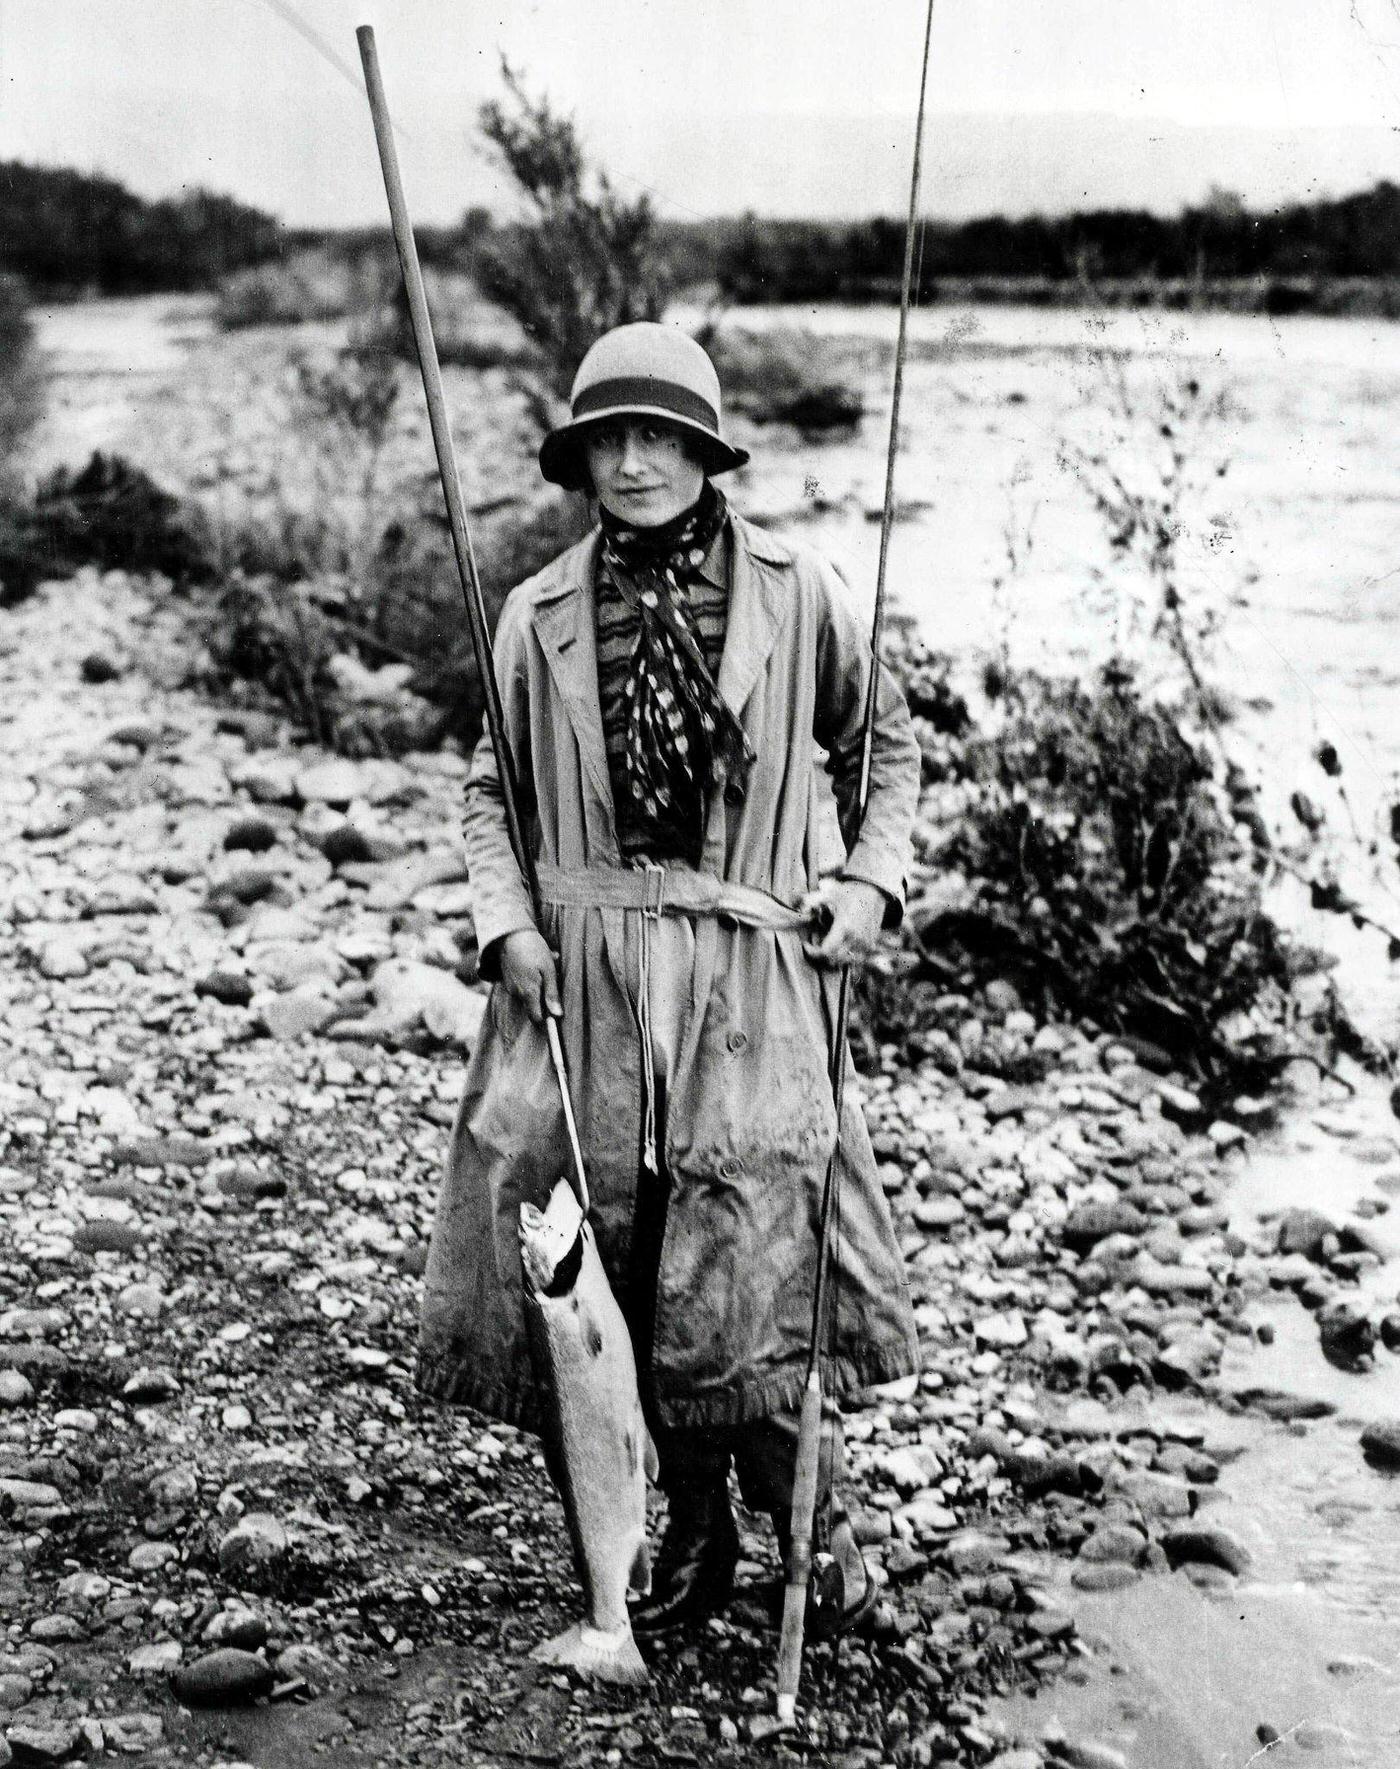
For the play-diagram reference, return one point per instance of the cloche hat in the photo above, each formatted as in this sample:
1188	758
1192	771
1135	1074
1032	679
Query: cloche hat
644	370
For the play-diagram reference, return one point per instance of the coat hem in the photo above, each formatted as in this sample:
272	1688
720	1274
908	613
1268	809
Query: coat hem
445	1379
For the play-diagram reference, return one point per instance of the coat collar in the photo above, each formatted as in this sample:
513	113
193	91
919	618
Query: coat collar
565	624
760	600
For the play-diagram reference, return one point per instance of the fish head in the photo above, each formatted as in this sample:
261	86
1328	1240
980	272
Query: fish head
548	1237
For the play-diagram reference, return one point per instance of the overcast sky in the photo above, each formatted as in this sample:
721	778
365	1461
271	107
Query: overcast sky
783	106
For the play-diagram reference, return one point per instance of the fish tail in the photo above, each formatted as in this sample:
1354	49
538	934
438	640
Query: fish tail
603	1658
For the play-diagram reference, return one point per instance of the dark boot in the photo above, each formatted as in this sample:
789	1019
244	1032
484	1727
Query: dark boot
694	1573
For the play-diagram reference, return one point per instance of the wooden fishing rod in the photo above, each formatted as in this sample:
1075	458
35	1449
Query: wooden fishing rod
804	1497
467	572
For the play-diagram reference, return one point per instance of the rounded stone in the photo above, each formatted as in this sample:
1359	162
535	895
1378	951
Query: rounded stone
16	1390
255	1543
152	1556
224	1678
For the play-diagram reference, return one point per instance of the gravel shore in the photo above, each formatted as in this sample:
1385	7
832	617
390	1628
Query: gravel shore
231	1532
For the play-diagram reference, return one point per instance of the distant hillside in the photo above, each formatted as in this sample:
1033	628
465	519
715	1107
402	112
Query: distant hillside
66	230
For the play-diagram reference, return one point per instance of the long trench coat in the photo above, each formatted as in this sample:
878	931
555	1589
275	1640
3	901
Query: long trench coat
750	1122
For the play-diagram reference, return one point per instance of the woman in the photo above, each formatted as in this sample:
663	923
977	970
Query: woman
663	683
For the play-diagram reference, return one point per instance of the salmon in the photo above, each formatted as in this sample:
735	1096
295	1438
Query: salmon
600	1451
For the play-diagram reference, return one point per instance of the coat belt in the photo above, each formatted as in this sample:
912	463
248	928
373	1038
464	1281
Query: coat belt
665	890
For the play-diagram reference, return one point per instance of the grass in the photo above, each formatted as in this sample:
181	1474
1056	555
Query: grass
21	384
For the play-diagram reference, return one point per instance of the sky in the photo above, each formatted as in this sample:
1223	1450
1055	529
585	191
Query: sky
787	107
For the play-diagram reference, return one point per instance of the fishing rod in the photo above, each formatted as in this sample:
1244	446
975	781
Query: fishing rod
804	1496
467	572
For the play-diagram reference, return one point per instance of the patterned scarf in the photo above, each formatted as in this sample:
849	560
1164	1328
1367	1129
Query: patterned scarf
682	740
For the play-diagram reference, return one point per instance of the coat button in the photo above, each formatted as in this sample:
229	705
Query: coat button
737	1040
731	1169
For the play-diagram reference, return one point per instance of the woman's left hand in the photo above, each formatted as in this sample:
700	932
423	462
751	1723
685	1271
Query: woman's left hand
846	915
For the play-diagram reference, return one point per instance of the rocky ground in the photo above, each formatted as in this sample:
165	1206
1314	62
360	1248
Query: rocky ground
233	1024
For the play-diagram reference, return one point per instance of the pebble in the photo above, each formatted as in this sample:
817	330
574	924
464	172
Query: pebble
1083	1754
1380	1444
16	1390
299	1014
145	1301
148	1387
158	1659
408	994
1304	1231
132	1734
64	958
335	782
940	1212
1113	1542
256	1543
29	1495
1208	1547
237	1626
152	1556
52	1742
1003	1330
232	988
1088	1224
253	835
227	1677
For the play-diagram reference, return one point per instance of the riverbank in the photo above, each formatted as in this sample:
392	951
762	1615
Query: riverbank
232	1046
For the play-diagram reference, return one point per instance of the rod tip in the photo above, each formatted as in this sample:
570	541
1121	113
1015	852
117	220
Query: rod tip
787	1710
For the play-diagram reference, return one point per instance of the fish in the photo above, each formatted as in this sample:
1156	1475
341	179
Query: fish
600	1452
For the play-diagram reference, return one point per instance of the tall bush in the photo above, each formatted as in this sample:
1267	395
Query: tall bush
583	259
106	513
1107	868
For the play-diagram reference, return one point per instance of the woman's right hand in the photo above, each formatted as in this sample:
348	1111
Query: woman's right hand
529	971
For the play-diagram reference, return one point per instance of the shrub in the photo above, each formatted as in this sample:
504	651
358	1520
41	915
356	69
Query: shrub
784	378
320	644
586	260
1106	873
468	330
313	285
109	514
21	402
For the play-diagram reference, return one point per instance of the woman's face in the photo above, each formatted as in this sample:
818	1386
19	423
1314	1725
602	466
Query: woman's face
642	469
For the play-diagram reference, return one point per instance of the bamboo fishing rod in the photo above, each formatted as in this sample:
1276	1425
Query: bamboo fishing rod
807	1468
467	573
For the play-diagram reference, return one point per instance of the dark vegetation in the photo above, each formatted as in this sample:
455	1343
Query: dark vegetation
1109	873
106	512
21	395
75	232
1336	254
79	233
583	259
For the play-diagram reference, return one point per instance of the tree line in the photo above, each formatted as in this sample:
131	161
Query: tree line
65	230
757	260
